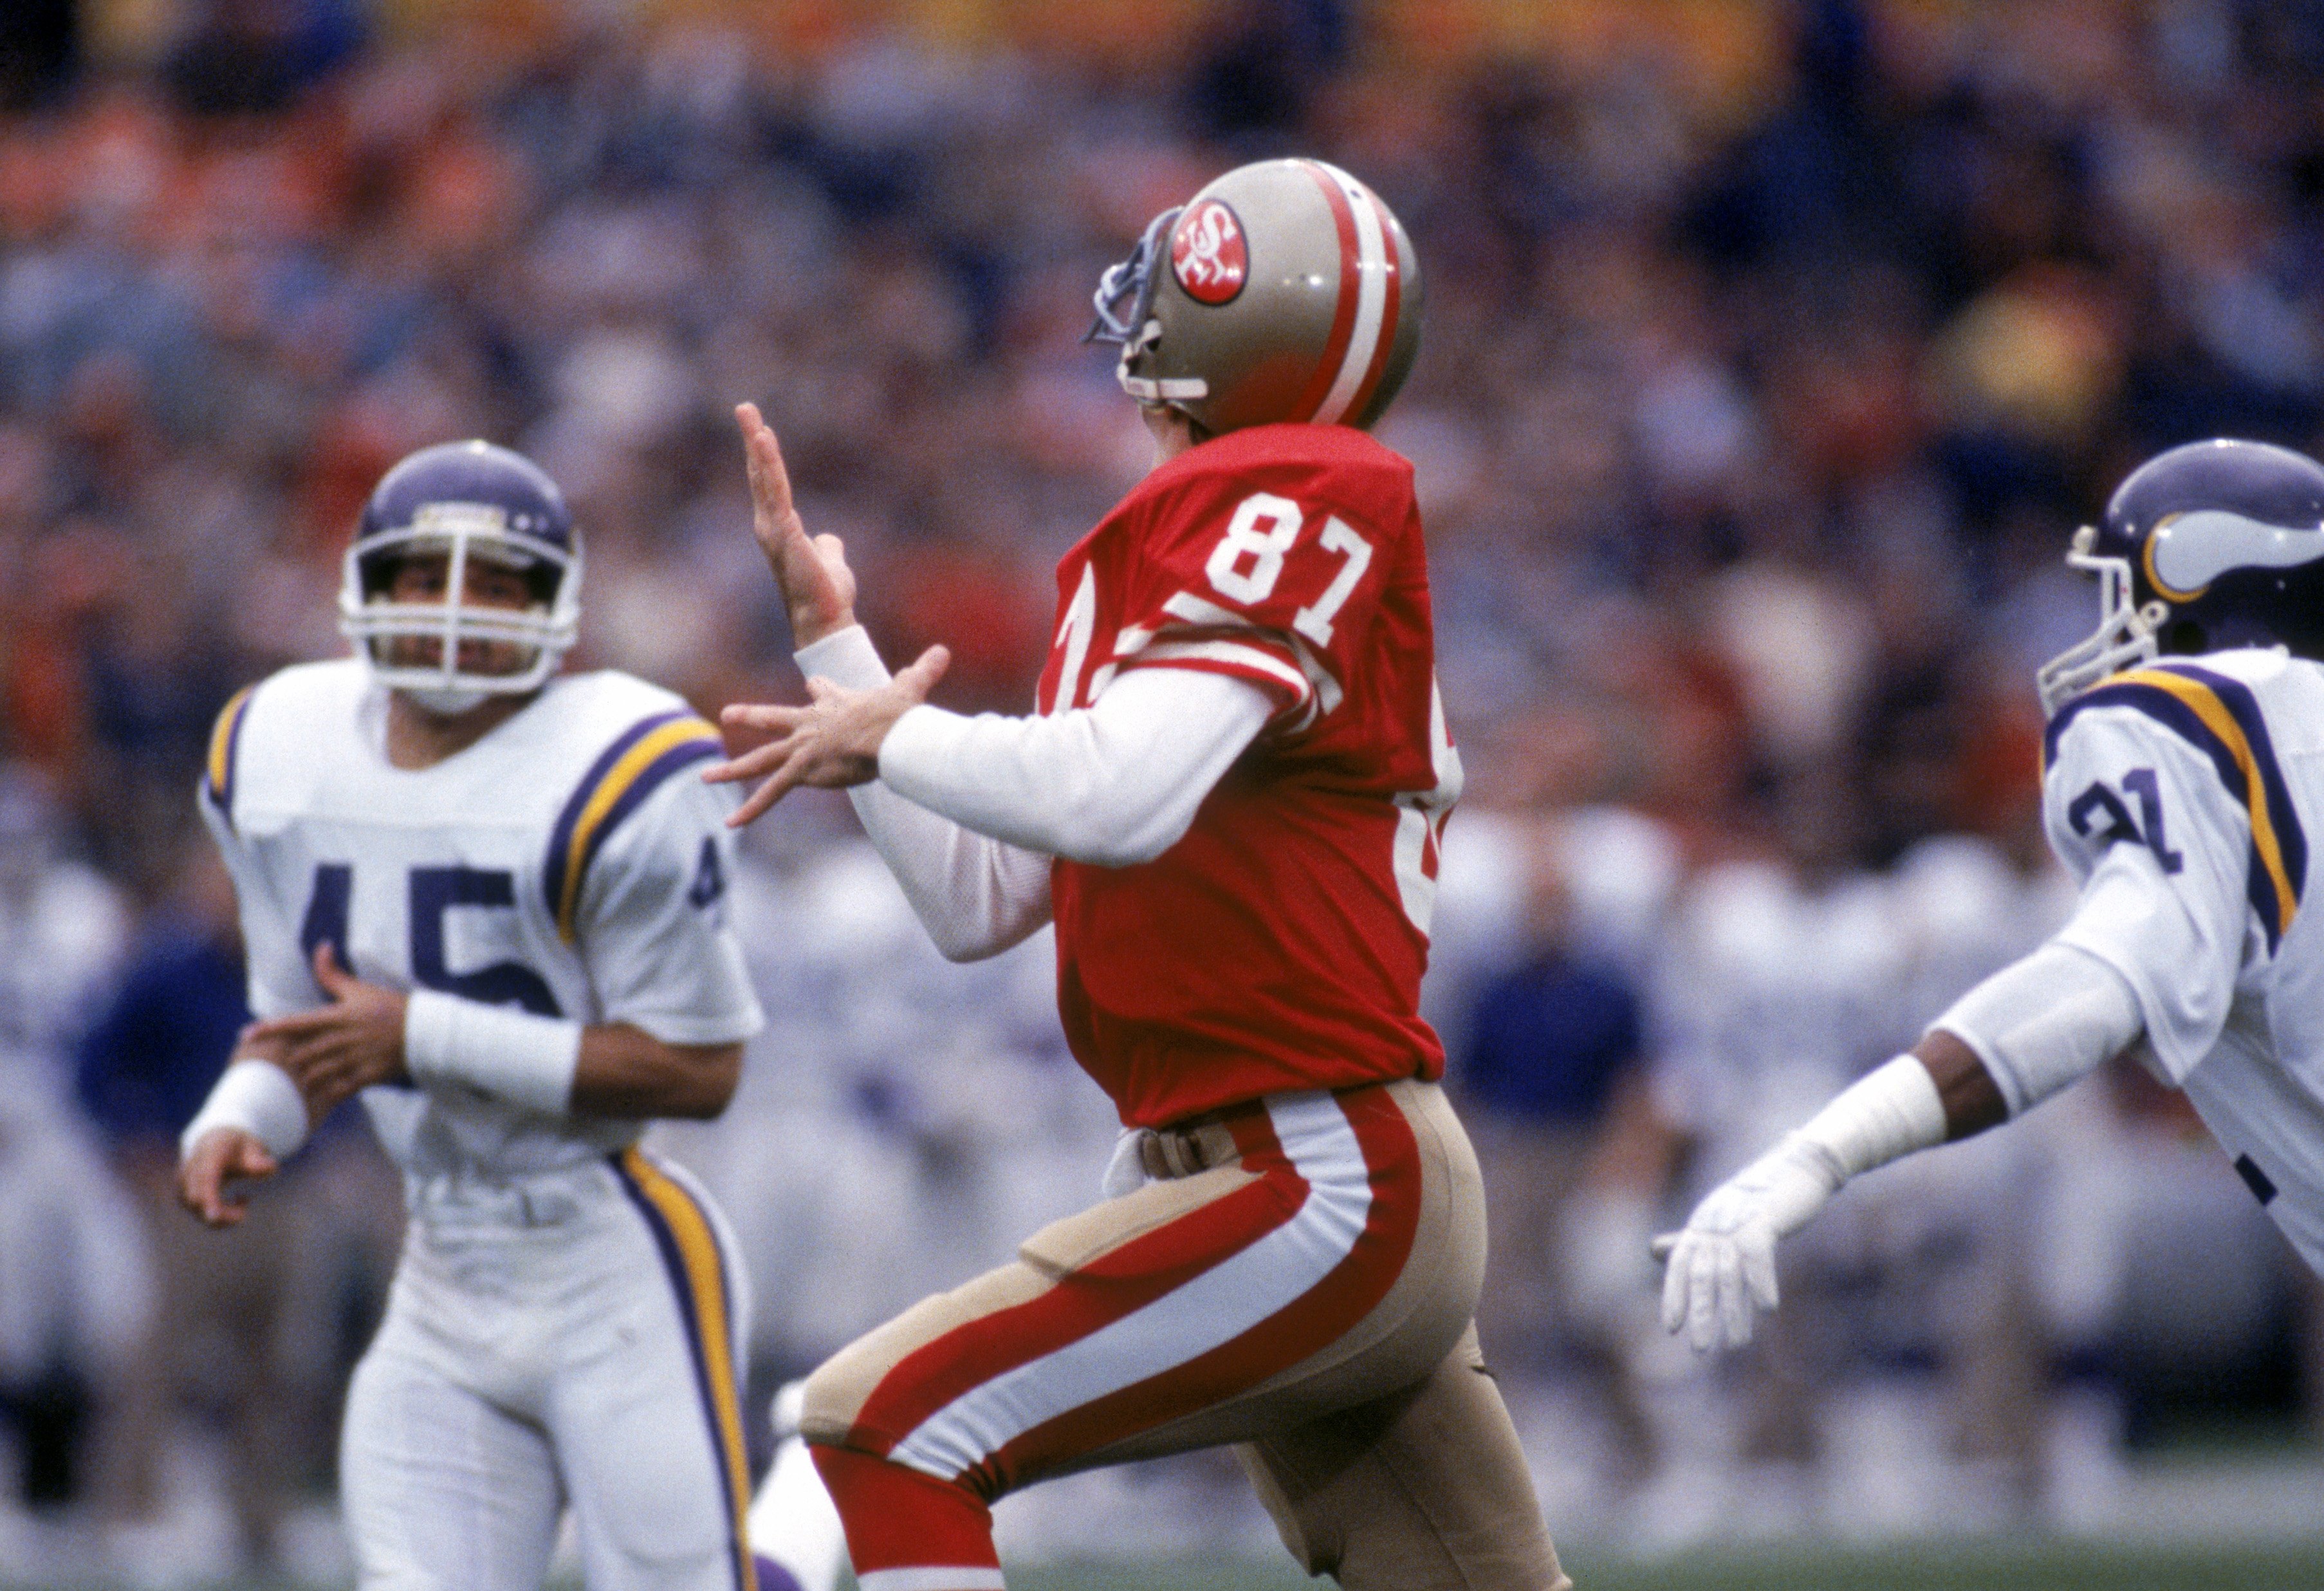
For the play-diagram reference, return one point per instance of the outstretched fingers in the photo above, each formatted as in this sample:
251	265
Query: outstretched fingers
774	715
771	481
786	779
751	765
1703	1296
296	1029
1735	1313
921	675
1672	1247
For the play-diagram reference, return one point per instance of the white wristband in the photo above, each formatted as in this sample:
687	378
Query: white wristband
254	1096
1888	1113
512	1055
844	657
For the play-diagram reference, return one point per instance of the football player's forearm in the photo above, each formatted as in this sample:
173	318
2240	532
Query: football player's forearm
974	895
1972	1100
625	1071
1114	784
255	1097
2020	1036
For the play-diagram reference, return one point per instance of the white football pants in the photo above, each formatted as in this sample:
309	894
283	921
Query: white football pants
576	1342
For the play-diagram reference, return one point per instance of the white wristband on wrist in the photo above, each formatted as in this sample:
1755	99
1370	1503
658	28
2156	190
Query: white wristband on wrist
254	1096
512	1055
1888	1114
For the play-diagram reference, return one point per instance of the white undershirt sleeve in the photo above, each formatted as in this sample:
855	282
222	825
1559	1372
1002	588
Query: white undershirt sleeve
1113	784
2045	1021
975	895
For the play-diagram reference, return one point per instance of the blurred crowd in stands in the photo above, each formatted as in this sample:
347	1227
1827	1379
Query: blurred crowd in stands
1772	354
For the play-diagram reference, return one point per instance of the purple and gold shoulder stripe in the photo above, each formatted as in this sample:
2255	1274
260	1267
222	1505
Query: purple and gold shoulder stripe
640	758
2219	717
225	738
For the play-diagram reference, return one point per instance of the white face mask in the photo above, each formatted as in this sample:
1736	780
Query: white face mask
461	532
2125	638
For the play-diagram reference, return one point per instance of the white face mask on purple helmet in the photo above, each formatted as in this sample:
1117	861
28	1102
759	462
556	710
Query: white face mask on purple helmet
462	534
2125	638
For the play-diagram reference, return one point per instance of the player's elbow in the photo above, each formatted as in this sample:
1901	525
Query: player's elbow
1131	850
979	935
968	943
960	946
701	1089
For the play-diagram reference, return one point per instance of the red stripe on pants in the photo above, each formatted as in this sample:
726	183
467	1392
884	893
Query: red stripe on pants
897	1518
1311	1323
1115	1284
1142	1274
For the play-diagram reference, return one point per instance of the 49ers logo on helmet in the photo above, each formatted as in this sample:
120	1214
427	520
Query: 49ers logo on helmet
1208	255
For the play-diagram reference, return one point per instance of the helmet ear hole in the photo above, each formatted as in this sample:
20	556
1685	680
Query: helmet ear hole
377	574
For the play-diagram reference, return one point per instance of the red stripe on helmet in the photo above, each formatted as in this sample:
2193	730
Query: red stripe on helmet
1344	315
1393	260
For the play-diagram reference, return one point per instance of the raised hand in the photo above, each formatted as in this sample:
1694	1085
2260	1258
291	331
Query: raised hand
334	1051
818	588
220	1157
831	742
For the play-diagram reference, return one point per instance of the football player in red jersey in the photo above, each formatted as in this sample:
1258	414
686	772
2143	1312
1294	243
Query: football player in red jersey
1229	803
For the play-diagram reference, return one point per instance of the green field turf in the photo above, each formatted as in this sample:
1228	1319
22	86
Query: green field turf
1950	1567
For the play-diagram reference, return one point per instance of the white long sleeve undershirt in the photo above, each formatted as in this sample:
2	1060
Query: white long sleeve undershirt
968	812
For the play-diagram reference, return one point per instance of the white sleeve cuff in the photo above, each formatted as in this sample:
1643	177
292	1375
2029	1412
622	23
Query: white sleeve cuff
254	1096
975	895
844	657
1882	1116
512	1055
919	746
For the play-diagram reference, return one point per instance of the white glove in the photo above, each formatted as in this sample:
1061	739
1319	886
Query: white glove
1723	1263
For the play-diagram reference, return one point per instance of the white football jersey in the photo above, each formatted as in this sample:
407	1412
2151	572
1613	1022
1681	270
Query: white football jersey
2180	796
569	863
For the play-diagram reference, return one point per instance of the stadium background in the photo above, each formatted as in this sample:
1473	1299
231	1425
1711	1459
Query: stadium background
1772	354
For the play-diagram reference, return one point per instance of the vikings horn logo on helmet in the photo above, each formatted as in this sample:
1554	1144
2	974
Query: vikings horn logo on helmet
1293	295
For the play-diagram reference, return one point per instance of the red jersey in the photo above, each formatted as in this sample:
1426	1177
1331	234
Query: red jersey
1279	944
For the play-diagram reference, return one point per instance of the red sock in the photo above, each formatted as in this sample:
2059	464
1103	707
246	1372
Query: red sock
912	1525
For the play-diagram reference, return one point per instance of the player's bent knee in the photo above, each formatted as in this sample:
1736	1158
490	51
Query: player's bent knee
832	1397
